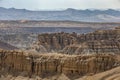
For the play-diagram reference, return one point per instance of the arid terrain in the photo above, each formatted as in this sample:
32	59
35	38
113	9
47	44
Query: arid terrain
23	33
17	65
33	23
113	74
60	40
68	54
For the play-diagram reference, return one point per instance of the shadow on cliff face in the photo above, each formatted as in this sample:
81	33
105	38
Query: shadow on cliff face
101	41
54	76
58	76
61	77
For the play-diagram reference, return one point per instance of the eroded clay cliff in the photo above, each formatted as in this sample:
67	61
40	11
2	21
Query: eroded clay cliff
56	41
42	64
101	41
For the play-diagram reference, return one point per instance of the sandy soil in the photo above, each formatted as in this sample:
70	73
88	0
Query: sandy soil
113	74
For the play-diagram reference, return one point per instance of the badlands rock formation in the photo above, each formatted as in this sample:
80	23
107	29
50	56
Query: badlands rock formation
102	41
43	64
93	53
56	41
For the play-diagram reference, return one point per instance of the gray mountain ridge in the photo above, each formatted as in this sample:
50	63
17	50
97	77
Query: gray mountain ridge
109	15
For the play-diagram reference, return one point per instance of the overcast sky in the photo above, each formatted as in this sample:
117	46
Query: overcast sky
60	4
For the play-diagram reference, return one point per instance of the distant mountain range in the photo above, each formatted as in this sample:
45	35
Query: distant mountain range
69	14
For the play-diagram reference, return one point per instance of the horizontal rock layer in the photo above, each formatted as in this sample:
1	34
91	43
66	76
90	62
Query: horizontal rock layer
41	64
101	41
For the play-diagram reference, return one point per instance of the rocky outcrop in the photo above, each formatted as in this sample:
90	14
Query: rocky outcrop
42	64
96	46
56	41
102	41
113	34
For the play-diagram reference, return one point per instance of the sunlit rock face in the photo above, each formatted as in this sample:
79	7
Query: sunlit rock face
41	64
101	41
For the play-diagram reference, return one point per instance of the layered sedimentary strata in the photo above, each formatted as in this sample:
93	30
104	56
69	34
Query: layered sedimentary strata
56	41
41	64
102	41
96	46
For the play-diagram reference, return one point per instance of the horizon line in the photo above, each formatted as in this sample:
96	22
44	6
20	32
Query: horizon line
60	9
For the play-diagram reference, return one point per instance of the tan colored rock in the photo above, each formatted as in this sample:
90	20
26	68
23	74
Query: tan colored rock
42	64
101	41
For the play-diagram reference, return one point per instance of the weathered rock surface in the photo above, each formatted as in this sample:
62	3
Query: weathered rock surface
96	46
57	41
102	41
43	64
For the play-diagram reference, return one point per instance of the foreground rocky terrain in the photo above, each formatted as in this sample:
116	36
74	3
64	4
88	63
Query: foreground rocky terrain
17	63
113	74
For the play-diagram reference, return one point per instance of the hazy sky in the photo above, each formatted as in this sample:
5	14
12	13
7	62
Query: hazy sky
60	4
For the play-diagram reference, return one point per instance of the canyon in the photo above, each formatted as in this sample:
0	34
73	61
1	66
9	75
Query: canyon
60	40
70	55
101	41
42	65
